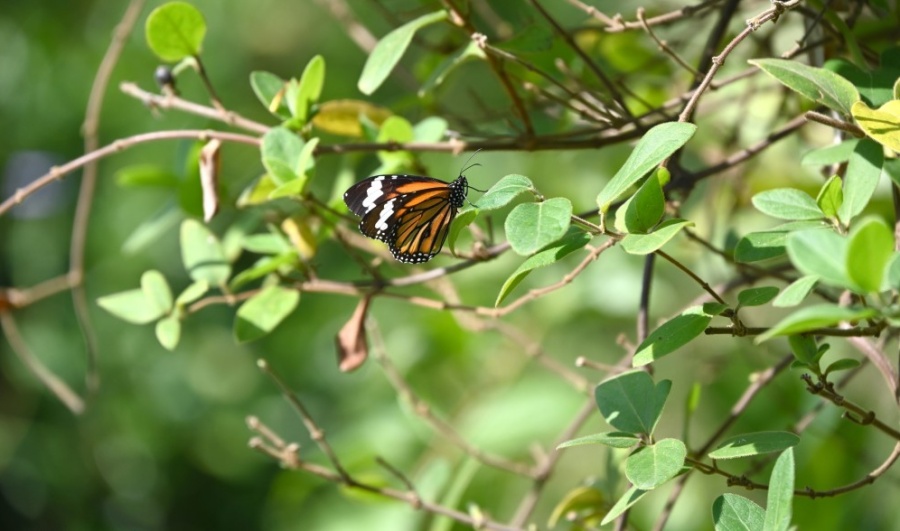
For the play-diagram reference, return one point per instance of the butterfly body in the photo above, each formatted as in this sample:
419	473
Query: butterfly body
411	213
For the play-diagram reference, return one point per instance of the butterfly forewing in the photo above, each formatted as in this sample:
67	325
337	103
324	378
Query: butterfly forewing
412	214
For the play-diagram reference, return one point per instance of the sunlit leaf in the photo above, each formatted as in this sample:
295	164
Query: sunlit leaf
758	443
175	30
261	313
653	148
390	49
818	84
532	226
671	335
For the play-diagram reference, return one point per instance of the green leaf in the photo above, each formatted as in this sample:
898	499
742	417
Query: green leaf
804	348
192	292
842	365
270	243
532	226
758	246
795	292
431	129
263	312
813	317
647	243
258	192
571	242
831	196
310	88
736	513
713	308
822	253
157	226
467	52
168	331
265	266
613	439
394	129
781	493
861	178
147	175
631	496
672	335
868	253
202	254
579	499
175	30
892	273
654	465
653	148
750	444
157	290
787	203
644	210
343	117
506	189
876	86
881	125
757	296
828	155
132	306
390	49
268	88
461	221
818	84
631	402
281	151
303	166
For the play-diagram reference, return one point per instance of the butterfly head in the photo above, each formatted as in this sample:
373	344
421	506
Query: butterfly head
458	190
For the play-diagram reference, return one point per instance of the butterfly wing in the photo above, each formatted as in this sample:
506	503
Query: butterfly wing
365	195
411	214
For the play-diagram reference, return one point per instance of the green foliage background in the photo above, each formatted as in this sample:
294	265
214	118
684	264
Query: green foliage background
163	445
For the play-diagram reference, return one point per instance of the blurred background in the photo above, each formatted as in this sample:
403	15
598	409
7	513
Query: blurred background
163	443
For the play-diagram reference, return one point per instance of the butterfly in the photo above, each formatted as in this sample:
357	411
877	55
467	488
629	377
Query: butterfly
410	213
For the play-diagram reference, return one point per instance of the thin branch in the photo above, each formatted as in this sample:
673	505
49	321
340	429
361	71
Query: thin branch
63	392
316	433
440	426
862	416
834	332
170	101
703	284
853	129
611	87
770	14
663	46
617	25
90	129
462	21
58	172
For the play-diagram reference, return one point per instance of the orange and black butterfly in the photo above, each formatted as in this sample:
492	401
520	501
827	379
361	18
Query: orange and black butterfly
411	214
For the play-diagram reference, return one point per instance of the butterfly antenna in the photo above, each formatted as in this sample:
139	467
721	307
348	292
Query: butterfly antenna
467	168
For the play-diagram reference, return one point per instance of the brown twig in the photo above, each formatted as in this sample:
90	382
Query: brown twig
63	392
58	172
80	220
424	411
170	101
770	14
617	25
